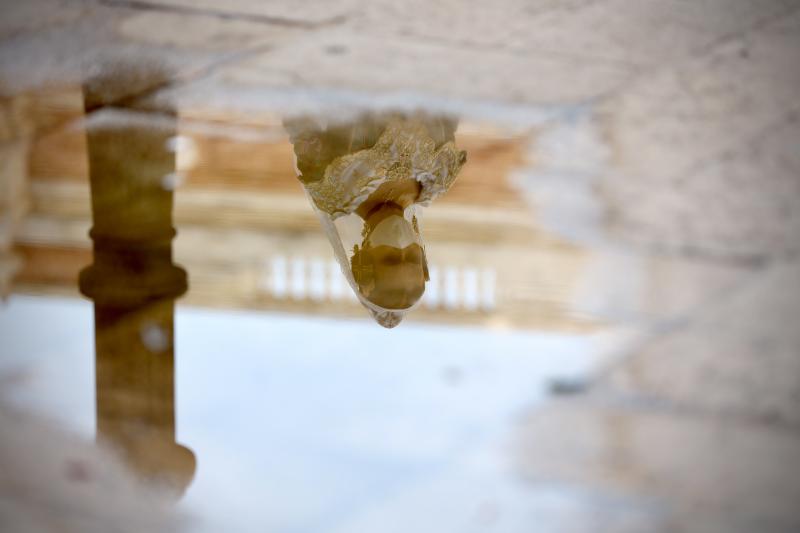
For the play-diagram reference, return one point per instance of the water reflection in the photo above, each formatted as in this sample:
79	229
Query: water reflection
133	284
328	424
380	168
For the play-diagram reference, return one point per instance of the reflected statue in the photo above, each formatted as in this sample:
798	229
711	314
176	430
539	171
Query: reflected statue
380	169
133	284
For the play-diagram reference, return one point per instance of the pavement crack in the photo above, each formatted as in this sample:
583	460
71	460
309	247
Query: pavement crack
223	14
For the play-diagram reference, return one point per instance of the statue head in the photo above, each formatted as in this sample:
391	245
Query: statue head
390	268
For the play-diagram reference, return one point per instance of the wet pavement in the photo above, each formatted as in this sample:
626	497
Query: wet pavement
577	219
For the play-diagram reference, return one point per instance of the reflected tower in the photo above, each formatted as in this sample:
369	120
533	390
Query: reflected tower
133	284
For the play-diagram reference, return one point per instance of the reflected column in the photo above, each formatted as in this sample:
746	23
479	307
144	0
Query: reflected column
133	284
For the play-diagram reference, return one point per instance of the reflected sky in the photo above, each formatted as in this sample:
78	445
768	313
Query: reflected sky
299	424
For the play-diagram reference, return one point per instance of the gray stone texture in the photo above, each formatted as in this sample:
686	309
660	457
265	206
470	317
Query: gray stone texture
739	357
694	474
54	481
706	157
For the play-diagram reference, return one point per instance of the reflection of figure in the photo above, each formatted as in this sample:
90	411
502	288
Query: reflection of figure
390	267
379	168
133	284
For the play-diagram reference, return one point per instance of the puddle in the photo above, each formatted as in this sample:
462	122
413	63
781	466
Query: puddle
226	276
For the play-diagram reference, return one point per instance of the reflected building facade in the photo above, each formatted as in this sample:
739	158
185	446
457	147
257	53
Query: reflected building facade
489	262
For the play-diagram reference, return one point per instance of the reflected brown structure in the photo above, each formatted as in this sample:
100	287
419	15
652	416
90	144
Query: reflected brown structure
490	263
133	284
378	167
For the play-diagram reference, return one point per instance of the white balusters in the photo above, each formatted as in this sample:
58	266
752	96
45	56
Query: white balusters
488	283
469	289
280	277
337	284
452	294
317	282
298	282
452	288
